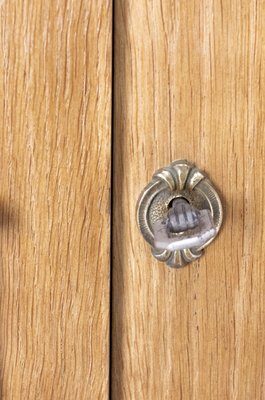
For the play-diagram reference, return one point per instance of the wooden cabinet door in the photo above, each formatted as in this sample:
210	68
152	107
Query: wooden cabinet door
55	96
189	83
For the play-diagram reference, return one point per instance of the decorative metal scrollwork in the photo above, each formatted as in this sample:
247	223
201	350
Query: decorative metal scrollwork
180	179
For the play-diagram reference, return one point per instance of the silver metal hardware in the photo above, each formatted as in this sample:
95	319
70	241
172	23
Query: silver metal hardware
179	213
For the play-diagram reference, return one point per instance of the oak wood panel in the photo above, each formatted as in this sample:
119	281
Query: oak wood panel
190	83
55	100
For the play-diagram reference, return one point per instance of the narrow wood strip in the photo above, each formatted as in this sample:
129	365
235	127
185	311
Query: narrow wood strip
55	101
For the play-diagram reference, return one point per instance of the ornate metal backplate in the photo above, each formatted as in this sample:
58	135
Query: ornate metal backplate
180	179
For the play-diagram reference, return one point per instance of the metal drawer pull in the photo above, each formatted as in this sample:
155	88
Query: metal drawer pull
179	213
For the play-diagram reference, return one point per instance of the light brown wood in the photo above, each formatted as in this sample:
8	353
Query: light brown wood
190	83
55	91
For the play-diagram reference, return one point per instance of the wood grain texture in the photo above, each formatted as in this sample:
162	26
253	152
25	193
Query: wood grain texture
190	83
55	100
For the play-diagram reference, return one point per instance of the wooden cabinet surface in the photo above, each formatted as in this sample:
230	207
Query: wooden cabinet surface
189	83
95	96
55	133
